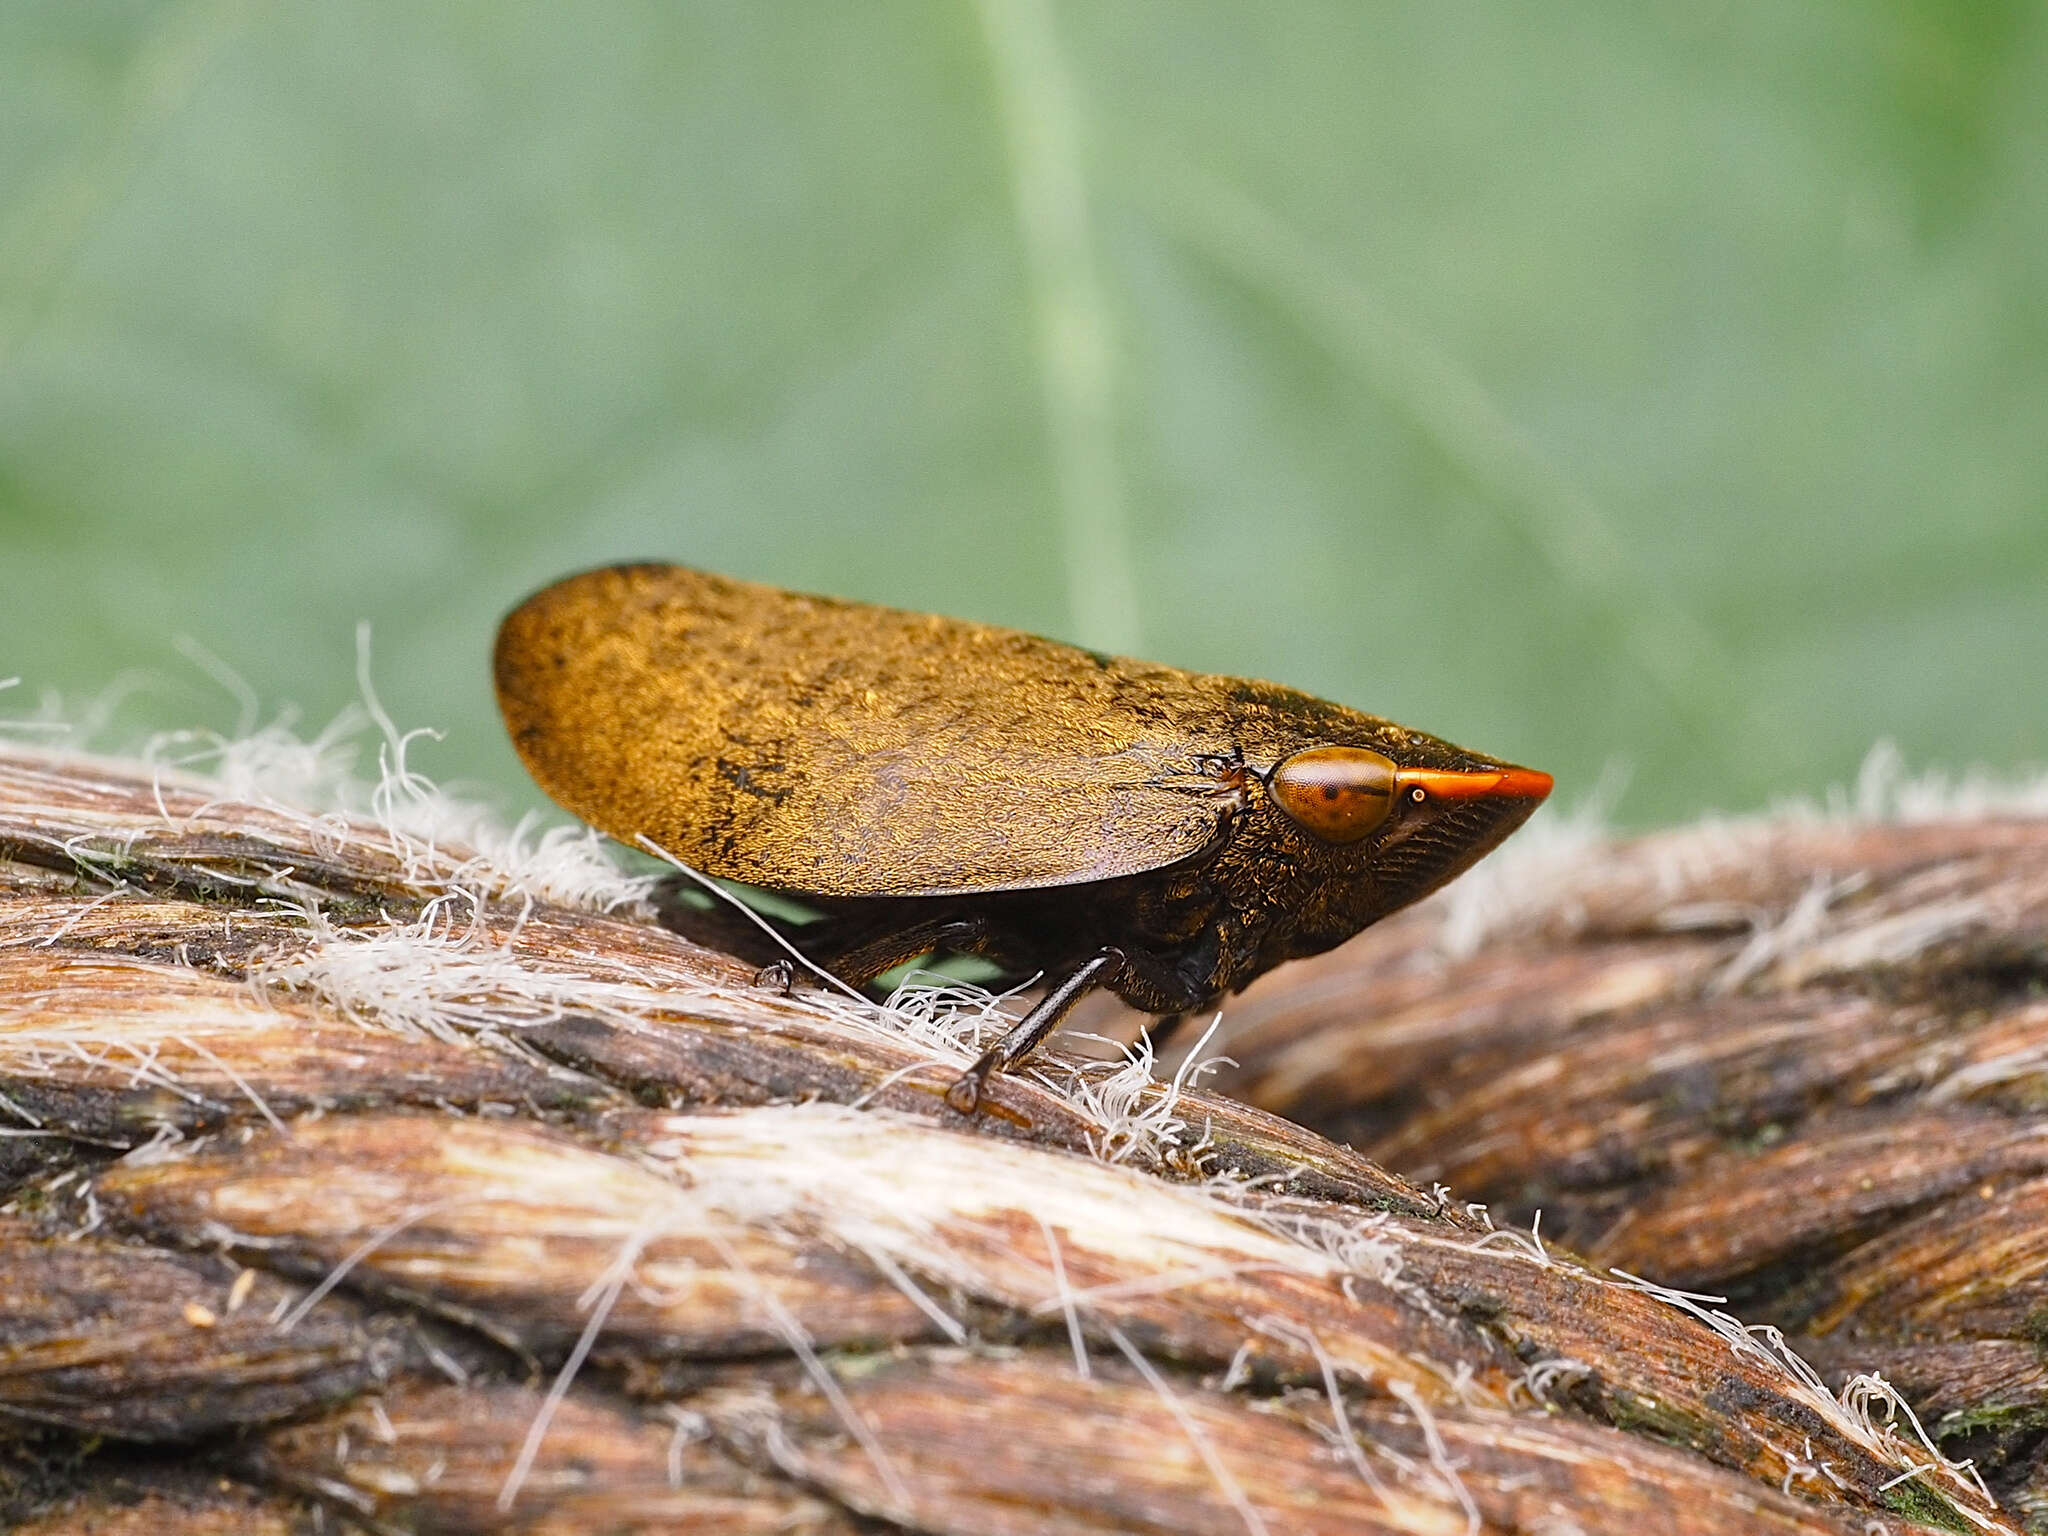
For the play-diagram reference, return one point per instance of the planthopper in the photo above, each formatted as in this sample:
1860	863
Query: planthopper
931	785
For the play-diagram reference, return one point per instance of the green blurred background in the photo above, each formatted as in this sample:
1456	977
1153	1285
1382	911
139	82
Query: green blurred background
1593	382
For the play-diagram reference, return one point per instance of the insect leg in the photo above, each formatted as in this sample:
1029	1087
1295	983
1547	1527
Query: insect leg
859	960
777	976
1029	1032
856	949
718	926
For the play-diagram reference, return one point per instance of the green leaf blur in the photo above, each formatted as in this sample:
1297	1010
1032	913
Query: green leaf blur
1662	385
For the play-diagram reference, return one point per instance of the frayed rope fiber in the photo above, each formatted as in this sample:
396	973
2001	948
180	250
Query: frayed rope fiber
367	1156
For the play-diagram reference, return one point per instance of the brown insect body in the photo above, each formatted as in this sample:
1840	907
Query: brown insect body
930	783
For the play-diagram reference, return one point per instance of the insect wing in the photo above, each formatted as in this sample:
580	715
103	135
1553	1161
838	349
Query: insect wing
841	749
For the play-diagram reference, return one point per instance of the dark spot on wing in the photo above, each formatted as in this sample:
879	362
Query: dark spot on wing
747	779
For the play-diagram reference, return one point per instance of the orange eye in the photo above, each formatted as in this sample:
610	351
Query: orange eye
1338	793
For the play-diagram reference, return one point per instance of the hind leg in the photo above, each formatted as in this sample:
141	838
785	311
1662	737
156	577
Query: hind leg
854	946
857	951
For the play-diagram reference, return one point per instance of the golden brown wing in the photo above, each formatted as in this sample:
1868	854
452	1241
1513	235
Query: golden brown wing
812	745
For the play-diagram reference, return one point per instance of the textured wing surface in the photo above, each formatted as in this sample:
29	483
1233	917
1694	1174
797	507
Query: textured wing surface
808	744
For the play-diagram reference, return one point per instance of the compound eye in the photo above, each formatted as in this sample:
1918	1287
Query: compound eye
1338	793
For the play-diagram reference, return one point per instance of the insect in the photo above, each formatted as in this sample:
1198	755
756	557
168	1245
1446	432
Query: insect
933	785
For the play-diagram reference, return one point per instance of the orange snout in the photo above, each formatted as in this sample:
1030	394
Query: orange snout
1475	784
